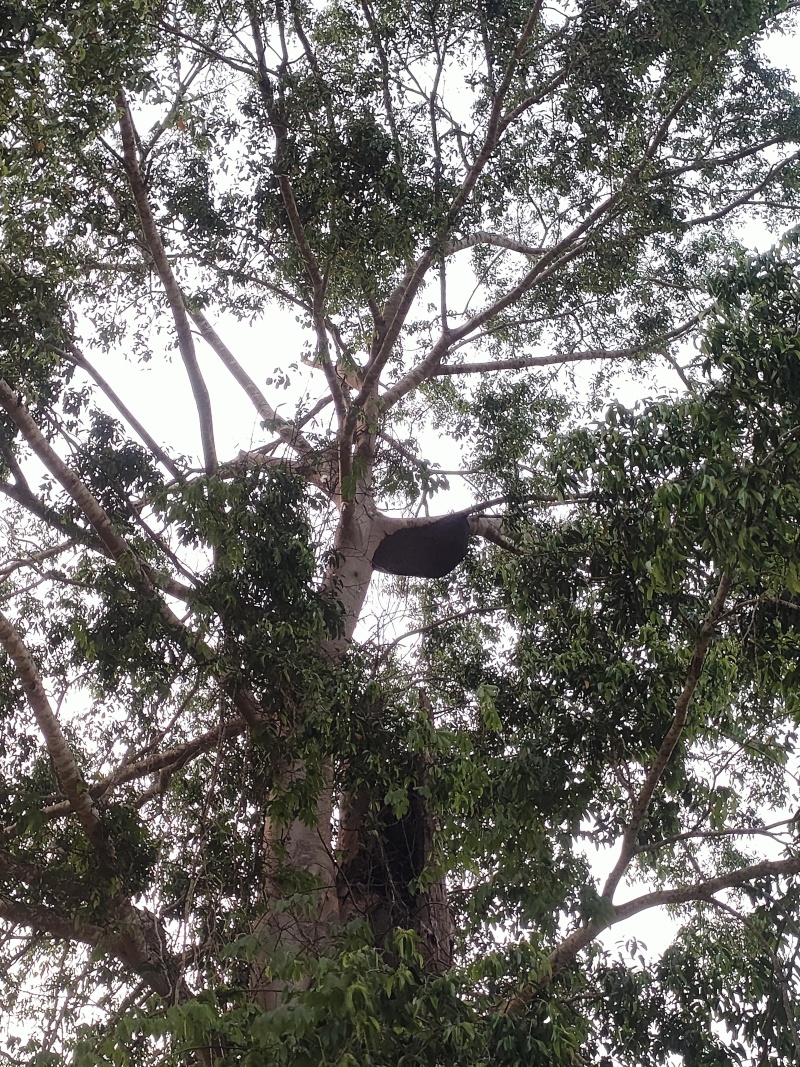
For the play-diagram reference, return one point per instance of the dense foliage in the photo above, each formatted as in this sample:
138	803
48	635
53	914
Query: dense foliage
387	261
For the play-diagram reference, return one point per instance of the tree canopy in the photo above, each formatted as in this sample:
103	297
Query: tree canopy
390	262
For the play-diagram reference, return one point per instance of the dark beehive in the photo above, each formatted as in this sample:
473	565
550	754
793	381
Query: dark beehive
427	551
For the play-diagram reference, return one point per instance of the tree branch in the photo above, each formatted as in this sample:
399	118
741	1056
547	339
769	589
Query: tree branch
397	306
495	240
45	920
670	740
704	162
34	558
491	529
746	196
316	276
155	247
522	362
76	356
388	107
701	891
144	578
95	514
170	759
69	777
288	433
781	973
468	613
553	261
131	934
496	124
714	835
567	249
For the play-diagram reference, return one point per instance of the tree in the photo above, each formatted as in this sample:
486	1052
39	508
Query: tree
233	829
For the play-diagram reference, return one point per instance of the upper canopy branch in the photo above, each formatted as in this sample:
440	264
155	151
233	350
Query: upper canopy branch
317	276
495	240
557	358
522	362
287	432
572	245
155	247
33	559
748	195
496	122
399	303
567	249
68	479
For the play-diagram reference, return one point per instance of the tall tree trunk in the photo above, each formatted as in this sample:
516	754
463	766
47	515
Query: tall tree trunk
382	856
300	845
373	872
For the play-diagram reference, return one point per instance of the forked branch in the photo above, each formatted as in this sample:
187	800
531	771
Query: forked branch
702	891
399	303
288	433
